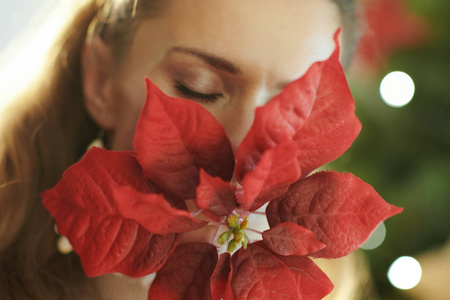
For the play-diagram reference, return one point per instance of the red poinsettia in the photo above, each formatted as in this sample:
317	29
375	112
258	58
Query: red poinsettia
126	211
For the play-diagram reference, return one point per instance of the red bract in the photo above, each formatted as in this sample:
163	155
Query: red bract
340	209
175	138
310	280
103	204
186	274
219	278
85	209
289	239
125	211
257	274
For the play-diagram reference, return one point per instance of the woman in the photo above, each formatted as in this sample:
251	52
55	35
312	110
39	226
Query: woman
230	56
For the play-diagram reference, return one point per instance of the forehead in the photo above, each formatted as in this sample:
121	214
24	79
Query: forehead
279	38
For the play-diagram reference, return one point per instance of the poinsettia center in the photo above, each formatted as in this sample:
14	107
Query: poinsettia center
236	226
230	232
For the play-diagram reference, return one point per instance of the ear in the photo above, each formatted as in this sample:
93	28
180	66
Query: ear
97	67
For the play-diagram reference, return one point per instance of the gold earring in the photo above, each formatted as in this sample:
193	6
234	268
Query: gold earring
98	141
62	244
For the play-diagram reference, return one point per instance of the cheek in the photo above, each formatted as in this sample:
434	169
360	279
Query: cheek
129	106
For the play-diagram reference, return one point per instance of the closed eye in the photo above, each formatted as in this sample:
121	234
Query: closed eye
190	94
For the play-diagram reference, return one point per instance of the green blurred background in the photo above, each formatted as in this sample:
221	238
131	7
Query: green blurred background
404	153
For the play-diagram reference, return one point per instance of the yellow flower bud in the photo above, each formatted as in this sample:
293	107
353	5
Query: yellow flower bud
239	236
232	245
233	222
244	224
223	238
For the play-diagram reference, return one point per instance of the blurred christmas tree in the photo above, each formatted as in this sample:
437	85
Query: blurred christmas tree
405	152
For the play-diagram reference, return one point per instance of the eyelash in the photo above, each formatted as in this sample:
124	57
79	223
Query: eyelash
190	94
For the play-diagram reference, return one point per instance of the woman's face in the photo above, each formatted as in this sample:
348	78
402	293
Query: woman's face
229	56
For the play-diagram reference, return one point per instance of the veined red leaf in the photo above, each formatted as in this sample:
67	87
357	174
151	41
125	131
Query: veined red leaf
278	120
291	239
340	209
104	166
215	195
152	211
220	276
109	245
229	295
312	282
187	273
82	206
257	274
332	125
277	169
175	138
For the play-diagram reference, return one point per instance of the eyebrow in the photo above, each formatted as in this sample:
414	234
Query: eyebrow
214	61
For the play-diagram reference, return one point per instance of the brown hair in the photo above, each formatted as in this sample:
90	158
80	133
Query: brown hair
41	134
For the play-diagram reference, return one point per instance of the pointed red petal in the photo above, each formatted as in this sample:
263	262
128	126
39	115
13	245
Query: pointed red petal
277	169
215	195
186	275
332	125
313	284
85	213
220	276
278	120
257	274
152	211
291	239
229	295
175	138
340	209
319	116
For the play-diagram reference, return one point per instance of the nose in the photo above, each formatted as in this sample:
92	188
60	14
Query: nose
237	117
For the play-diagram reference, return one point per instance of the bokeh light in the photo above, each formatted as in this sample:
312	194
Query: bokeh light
397	89
405	273
376	239
24	57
